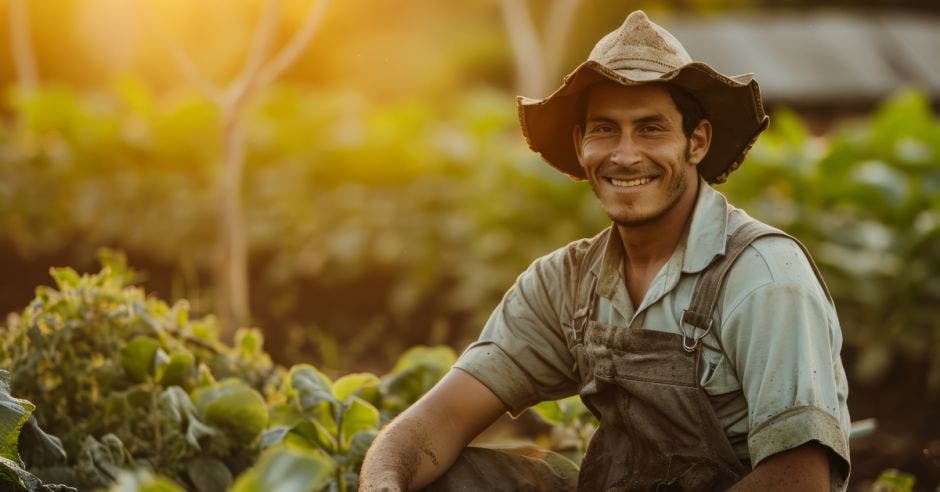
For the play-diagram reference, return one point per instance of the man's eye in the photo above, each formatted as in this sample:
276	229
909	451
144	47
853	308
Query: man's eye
650	129
603	129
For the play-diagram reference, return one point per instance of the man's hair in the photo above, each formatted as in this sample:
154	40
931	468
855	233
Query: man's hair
689	108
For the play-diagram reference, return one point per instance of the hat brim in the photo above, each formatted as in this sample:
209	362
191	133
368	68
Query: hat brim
732	105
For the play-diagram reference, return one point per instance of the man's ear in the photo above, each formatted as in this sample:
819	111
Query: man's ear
577	135
699	141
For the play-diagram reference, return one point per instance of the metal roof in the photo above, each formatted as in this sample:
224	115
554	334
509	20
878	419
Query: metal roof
830	58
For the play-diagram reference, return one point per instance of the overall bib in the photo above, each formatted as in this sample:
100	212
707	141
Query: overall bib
658	430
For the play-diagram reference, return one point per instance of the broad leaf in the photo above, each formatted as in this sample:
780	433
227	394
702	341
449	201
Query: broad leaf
209	474
137	358
179	371
359	444
273	436
309	386
439	358
143	481
179	410
287	469
550	412
234	407
354	384
359	416
315	434
14	412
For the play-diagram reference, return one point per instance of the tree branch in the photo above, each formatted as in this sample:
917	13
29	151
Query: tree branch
260	43
526	49
295	46
183	62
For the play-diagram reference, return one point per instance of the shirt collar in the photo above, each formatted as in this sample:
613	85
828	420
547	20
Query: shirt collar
707	237
708	230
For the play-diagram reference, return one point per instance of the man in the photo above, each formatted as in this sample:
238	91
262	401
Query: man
703	340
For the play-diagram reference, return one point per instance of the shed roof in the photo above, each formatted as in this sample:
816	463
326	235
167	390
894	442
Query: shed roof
813	58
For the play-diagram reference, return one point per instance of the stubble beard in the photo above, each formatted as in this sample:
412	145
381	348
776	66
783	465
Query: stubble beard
675	189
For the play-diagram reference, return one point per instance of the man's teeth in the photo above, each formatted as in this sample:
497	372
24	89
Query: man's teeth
630	182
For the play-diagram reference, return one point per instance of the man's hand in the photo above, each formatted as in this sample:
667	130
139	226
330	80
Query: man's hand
421	443
804	468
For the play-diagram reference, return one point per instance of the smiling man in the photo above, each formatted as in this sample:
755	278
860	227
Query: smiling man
705	342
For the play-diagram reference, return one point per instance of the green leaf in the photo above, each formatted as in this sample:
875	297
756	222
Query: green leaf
101	462
14	412
143	481
39	448
179	411
309	386
359	416
439	358
550	412
12	475
249	340
892	480
137	358
234	407
65	278
287	469
273	436
359	445
316	434
416	371
354	384
209	474
179	371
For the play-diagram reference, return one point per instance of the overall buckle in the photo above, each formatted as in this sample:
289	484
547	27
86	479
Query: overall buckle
686	344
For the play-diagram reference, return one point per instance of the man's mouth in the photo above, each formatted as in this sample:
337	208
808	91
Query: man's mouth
629	183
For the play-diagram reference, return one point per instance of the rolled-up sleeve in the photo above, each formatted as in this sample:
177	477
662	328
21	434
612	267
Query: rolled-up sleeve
785	341
522	354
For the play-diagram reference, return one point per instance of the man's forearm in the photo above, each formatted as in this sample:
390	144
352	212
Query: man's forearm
403	457
805	468
426	439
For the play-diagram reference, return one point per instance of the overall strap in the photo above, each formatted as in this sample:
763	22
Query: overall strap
705	298
584	285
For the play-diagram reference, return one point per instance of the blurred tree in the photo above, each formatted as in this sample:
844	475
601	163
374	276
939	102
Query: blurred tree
231	269
24	58
538	60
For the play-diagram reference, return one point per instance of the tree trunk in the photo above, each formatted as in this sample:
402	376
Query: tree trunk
231	270
24	58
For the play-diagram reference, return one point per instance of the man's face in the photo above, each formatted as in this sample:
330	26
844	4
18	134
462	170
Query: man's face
635	154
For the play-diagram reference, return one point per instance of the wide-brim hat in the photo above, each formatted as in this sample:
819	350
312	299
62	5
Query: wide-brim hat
641	52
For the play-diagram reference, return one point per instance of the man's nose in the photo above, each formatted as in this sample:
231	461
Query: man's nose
626	153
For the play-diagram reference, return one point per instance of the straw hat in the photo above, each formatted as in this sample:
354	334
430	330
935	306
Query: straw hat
641	52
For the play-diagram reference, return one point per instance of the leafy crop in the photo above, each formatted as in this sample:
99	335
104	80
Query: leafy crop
135	388
127	380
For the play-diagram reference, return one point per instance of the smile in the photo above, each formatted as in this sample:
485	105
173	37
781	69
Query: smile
628	183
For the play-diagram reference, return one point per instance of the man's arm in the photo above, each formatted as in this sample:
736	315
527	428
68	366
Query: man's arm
804	468
425	440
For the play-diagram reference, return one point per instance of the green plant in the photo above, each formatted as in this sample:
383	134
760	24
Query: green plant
573	425
126	380
145	398
892	480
